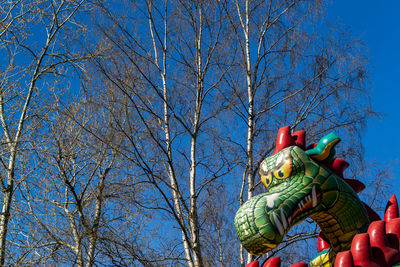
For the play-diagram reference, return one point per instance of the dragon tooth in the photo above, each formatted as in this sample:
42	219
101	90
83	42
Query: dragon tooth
278	224
314	197
284	221
302	204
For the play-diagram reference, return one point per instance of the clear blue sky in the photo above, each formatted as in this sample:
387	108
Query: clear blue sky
377	23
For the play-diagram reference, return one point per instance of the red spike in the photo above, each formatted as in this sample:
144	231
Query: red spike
379	241
362	252
300	139
339	165
323	242
300	264
311	146
284	139
392	209
253	264
344	259
393	232
273	262
373	216
356	185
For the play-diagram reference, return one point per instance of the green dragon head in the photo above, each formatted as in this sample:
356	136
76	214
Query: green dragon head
300	185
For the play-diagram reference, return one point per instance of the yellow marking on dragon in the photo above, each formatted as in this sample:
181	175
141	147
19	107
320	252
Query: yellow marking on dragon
327	150
324	259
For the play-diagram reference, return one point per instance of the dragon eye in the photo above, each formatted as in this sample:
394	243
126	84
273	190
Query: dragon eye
266	179
284	169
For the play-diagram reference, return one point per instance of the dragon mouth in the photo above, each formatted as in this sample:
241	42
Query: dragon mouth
262	222
283	222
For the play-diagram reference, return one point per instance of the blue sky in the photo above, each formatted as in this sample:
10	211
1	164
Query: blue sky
377	24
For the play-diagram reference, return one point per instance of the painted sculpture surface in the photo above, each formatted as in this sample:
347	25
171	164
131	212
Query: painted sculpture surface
308	183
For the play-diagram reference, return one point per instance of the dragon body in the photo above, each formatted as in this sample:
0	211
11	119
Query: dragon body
304	183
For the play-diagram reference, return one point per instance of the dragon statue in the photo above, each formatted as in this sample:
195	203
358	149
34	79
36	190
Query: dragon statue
309	183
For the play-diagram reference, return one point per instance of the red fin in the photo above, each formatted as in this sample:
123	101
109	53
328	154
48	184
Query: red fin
338	166
344	259
300	139
362	252
253	264
392	209
284	139
311	146
273	262
323	242
356	185
373	216
379	242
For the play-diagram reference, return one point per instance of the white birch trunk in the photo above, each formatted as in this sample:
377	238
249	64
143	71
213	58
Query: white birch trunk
250	109
176	194
193	216
93	231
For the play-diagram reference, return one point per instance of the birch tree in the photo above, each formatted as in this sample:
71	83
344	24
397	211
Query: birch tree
35	54
75	186
173	93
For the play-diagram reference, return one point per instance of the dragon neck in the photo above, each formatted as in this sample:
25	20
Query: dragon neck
343	220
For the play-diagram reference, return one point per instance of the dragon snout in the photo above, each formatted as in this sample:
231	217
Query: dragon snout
261	227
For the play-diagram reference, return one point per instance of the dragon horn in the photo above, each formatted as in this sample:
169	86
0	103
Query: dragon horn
284	139
392	209
325	150
300	139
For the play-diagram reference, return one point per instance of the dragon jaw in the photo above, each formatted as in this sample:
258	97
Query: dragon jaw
299	188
